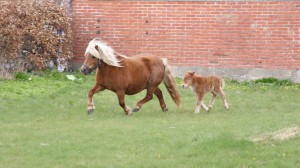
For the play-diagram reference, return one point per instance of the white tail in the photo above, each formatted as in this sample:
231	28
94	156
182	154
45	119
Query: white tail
170	83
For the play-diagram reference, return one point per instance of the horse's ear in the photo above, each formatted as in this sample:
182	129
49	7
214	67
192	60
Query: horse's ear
192	73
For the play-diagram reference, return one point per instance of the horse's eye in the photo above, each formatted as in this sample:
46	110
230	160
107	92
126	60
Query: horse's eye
93	57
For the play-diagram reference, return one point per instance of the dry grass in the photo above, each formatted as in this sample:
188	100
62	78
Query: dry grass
280	135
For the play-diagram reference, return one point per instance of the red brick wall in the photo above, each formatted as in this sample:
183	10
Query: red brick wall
220	34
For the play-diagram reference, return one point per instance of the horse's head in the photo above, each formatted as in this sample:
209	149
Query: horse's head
95	52
90	63
188	79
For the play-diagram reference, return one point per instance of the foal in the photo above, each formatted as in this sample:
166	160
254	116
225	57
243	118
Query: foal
202	85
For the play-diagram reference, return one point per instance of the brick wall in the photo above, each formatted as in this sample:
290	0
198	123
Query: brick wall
230	34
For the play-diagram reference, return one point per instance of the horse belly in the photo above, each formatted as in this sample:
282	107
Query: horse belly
134	89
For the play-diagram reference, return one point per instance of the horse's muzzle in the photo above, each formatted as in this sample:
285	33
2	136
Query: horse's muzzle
184	86
85	71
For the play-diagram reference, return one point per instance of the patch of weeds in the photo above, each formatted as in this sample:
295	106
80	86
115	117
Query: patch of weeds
274	81
56	75
81	78
241	84
62	76
178	80
265	82
21	76
232	81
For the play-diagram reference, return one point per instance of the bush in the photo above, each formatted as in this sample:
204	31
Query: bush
21	76
274	81
32	33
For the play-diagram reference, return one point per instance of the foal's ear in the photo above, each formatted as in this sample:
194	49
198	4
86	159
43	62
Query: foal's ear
192	73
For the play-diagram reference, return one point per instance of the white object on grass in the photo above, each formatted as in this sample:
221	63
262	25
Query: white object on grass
71	77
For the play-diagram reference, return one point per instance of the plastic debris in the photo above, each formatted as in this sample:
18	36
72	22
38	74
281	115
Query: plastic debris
71	77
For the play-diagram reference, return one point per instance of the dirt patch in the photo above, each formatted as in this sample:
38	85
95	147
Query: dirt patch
280	135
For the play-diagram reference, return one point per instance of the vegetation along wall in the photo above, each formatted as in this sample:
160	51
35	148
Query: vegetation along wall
238	39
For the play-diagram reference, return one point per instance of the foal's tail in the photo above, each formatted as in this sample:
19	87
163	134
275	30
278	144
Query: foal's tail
170	83
222	83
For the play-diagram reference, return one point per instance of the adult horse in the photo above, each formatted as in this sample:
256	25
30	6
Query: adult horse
127	75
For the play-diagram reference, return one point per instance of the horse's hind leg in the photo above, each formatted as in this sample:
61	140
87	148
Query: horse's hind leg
121	96
148	97
95	89
159	95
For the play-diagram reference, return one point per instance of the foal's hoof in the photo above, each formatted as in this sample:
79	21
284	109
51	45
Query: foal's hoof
128	113
90	111
135	110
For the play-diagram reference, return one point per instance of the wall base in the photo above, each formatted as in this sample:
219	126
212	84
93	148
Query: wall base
76	65
239	74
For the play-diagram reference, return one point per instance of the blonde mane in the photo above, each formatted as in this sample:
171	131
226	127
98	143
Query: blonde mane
104	52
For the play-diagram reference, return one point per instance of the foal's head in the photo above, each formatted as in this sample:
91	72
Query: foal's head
187	79
90	63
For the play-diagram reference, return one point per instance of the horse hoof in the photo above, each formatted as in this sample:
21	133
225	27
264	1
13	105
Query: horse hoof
165	109
135	110
90	111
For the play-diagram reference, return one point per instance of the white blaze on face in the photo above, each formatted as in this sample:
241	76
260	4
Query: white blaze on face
184	85
186	82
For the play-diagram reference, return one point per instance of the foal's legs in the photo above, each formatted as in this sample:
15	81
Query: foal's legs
148	97
160	97
200	103
221	93
121	96
95	89
212	101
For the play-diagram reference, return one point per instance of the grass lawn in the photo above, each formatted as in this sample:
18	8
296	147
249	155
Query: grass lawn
44	123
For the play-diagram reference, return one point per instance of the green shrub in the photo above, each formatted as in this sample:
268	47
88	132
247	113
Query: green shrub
21	76
274	81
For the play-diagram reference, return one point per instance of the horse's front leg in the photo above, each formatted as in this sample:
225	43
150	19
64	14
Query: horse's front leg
121	96
95	89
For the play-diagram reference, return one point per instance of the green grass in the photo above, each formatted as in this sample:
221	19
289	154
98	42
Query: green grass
43	123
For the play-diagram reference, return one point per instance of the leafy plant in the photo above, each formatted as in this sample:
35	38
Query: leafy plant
264	81
274	81
21	76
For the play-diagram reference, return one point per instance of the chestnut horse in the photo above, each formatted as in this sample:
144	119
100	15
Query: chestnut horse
127	75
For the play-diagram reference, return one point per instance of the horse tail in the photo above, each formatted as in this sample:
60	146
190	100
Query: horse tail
170	83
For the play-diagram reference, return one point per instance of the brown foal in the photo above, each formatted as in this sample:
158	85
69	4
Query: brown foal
202	85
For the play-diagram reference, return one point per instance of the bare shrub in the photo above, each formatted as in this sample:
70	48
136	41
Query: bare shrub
32	33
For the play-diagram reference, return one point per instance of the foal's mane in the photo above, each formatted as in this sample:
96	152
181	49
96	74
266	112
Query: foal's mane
104	52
